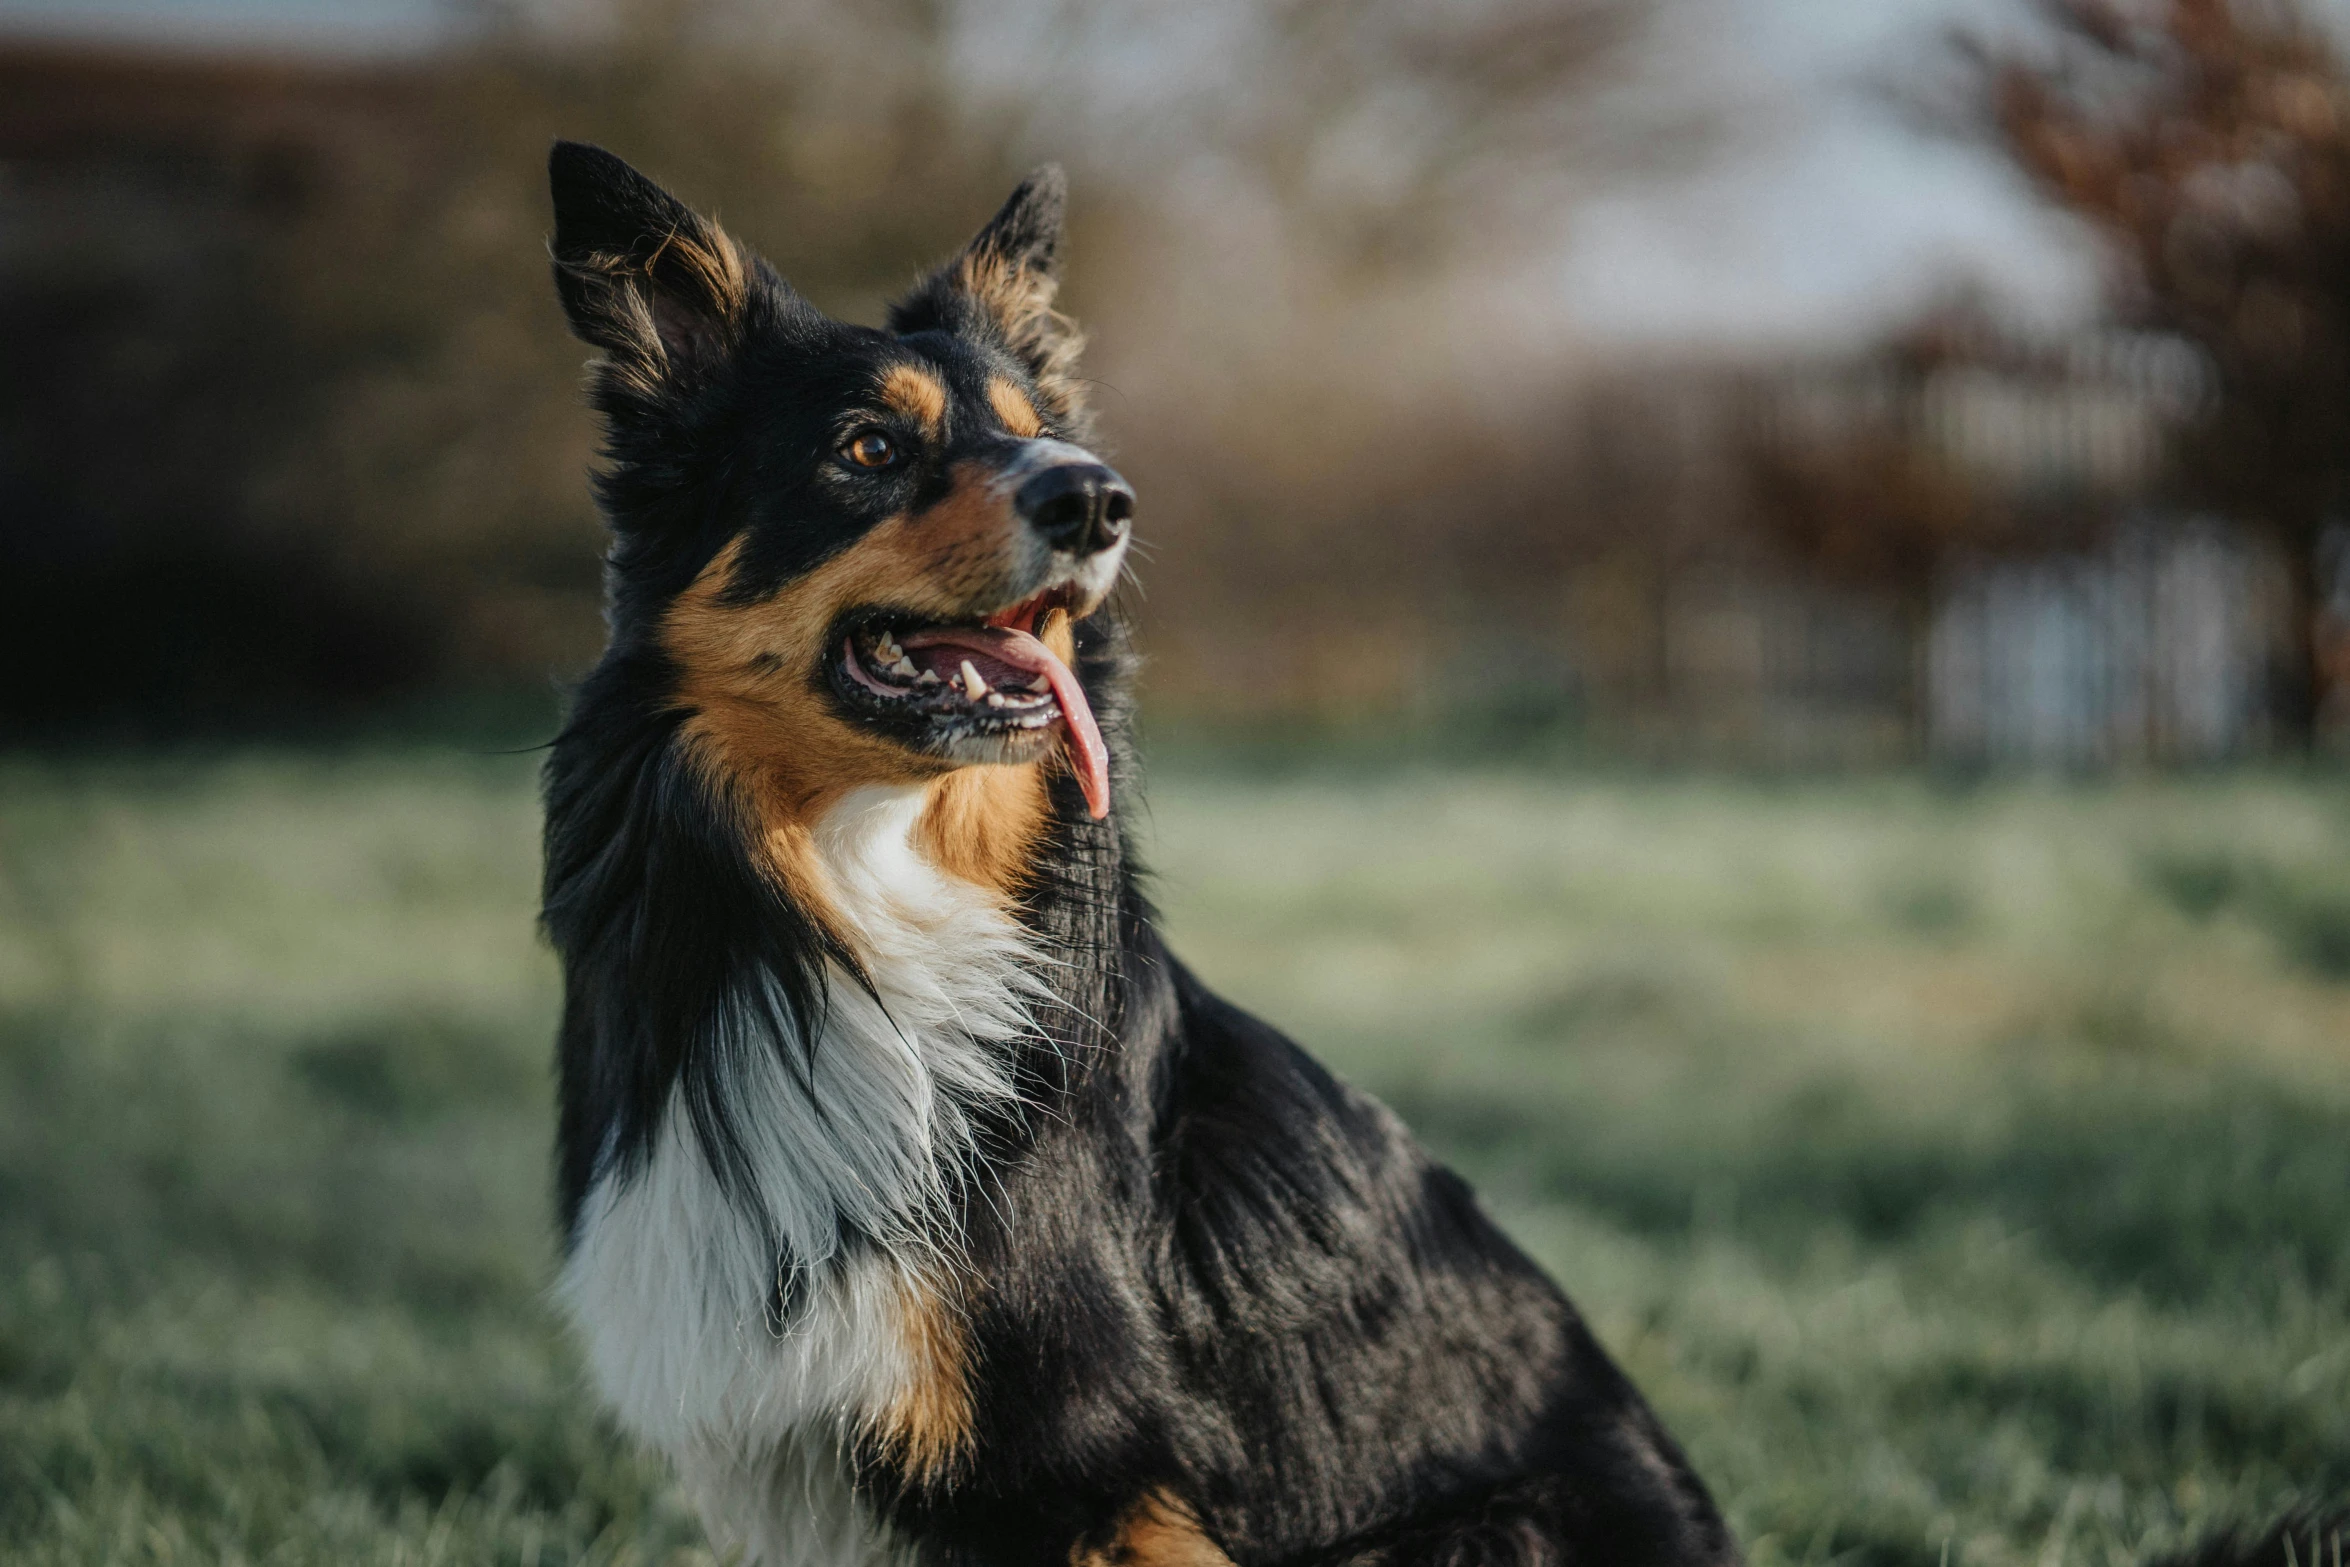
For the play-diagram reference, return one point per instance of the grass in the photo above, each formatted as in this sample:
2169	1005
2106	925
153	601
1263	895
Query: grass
1966	1174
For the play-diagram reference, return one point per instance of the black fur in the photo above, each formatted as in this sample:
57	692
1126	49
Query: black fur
1204	1267
662	924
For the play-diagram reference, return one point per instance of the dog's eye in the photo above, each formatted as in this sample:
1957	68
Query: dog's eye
870	449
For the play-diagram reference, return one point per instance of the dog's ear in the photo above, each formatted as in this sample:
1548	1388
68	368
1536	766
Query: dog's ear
1002	285
642	276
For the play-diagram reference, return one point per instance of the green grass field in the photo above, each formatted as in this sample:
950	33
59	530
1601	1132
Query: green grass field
1966	1174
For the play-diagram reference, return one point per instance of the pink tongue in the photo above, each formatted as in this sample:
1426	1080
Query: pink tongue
1088	757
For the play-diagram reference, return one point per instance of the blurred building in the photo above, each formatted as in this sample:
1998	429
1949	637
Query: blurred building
1961	548
2078	616
2158	647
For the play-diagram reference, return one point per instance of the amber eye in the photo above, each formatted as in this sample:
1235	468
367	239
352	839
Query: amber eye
870	449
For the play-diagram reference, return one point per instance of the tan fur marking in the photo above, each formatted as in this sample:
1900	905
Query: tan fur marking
760	731
917	394
1158	1532
708	255
982	822
965	543
929	1428
697	267
1013	407
1021	300
764	734
1059	633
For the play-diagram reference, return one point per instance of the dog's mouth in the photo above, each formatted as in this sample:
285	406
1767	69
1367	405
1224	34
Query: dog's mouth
990	689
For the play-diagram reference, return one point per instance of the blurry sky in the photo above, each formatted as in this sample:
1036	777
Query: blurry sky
1825	216
1826	212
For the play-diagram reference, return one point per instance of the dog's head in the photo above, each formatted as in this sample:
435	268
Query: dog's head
862	552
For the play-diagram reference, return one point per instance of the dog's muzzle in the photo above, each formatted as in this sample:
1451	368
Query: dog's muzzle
1080	508
1076	504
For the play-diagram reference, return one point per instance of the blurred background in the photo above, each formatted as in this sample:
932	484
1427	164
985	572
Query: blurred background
1793	383
1747	612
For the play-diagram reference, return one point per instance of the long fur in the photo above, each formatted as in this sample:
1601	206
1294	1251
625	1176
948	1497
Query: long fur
918	1203
754	1335
918	1219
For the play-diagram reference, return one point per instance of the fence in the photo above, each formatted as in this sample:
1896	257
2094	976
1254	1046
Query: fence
2158	648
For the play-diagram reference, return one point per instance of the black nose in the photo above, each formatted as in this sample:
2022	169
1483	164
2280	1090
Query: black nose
1079	507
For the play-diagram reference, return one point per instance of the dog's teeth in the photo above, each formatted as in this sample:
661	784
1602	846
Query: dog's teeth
995	699
902	667
973	686
1041	684
928	677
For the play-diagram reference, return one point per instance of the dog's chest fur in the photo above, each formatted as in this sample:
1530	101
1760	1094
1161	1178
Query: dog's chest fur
854	1150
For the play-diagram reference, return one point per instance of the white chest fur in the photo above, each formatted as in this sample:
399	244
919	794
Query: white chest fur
668	1284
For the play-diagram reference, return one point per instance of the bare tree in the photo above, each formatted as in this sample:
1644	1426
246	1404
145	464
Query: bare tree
1392	127
2208	141
364	393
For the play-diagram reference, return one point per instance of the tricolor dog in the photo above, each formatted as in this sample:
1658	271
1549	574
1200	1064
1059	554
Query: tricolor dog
917	1202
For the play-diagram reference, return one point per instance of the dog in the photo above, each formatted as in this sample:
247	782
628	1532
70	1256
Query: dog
918	1204
916	1201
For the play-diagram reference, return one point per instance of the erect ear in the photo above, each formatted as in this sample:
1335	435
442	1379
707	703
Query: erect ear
641	275
1002	285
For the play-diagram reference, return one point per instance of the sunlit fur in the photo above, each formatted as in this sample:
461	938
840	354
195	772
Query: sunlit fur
917	1202
672	1284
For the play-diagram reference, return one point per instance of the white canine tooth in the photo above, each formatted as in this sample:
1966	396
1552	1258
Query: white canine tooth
973	686
1041	683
